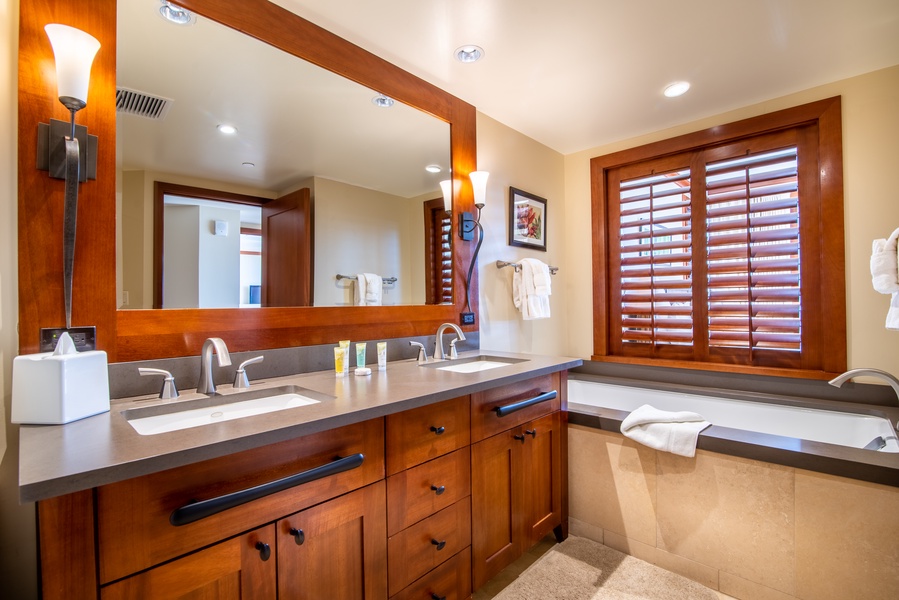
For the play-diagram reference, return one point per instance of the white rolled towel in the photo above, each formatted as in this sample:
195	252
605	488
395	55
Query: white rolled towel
885	264
675	432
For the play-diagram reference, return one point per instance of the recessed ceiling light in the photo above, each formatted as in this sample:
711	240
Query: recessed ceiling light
433	169
248	165
383	101
176	14
678	88
228	129
469	54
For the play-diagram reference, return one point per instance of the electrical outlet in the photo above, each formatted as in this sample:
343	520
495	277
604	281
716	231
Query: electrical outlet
468	318
85	338
126	299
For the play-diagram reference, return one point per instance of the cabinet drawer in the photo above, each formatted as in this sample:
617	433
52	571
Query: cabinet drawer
414	551
421	434
133	516
242	567
486	421
450	581
421	491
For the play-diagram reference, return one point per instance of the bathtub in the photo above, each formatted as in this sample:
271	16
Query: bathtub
791	423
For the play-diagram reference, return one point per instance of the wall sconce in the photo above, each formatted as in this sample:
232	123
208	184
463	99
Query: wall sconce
468	224
447	186
60	144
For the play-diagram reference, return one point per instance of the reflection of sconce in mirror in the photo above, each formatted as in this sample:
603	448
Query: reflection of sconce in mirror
60	144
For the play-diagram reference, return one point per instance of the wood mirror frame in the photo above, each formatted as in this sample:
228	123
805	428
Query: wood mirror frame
131	335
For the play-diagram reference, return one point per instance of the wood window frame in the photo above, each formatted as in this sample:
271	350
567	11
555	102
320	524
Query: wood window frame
435	282
827	280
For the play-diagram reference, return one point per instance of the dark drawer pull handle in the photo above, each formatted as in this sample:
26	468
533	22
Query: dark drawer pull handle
265	551
531	432
440	544
206	508
519	437
438	430
438	489
436	597
298	535
508	409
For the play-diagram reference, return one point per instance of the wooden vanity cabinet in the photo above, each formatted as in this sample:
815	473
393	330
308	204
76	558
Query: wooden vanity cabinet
518	475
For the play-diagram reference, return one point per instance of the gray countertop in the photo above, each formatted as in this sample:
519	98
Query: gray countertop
60	459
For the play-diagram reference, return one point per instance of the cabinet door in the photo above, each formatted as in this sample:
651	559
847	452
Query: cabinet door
242	567
540	496
336	550
494	539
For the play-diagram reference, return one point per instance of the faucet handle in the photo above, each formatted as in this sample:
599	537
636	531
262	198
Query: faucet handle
422	353
453	354
168	391
240	377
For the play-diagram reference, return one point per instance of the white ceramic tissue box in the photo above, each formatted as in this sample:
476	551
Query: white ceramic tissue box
52	389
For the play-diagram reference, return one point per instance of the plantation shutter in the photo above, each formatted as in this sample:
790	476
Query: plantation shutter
707	255
656	251
445	254
753	252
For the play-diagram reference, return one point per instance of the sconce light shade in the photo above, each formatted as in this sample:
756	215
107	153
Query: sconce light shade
447	186
479	187
74	51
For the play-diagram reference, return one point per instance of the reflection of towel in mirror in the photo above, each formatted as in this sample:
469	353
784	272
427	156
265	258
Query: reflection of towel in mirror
885	274
368	290
531	288
675	432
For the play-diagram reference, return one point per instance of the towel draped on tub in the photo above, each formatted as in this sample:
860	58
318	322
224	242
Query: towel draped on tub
675	432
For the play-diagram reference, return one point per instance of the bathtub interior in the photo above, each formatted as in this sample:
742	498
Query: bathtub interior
854	430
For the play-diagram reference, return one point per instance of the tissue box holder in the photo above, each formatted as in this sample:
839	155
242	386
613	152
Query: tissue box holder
50	389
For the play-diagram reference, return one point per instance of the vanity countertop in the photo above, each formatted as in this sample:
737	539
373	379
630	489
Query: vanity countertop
60	459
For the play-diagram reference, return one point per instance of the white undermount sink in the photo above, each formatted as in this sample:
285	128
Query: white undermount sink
152	420
474	364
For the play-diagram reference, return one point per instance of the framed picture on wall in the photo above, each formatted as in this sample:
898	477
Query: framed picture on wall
527	220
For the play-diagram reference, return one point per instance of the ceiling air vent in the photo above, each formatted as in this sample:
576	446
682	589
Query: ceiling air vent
132	102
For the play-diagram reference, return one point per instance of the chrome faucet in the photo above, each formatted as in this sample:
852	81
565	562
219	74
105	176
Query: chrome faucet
438	348
207	384
894	383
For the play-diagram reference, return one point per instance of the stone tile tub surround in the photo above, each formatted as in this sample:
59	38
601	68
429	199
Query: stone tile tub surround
749	529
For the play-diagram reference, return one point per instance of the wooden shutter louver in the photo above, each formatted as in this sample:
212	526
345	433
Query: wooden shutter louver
752	252
656	285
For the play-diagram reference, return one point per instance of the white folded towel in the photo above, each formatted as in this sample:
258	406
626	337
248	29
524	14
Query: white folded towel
368	290
675	432
533	303
893	313
885	264
373	289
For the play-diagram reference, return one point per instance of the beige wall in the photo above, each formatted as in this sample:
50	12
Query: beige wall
18	549
870	152
518	161
753	530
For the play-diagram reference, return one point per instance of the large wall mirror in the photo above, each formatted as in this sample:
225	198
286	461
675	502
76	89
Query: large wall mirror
372	165
145	333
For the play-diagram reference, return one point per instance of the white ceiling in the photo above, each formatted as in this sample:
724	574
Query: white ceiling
575	74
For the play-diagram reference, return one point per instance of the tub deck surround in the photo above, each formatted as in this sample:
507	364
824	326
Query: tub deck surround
833	459
60	459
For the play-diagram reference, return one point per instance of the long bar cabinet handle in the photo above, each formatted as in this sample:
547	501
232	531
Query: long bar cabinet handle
195	511
508	409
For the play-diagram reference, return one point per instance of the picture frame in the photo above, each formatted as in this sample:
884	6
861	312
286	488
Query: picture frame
527	220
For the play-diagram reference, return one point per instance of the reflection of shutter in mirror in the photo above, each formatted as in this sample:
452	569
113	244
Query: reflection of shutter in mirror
438	253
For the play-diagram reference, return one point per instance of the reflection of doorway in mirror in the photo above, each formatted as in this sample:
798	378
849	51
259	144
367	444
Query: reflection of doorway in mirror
211	253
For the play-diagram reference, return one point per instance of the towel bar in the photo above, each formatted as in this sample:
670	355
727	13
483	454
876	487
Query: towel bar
501	263
353	277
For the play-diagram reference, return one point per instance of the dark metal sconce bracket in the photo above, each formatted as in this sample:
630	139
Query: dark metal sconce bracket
467	225
51	149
